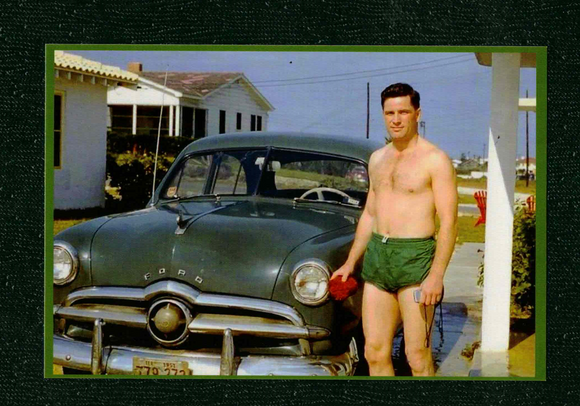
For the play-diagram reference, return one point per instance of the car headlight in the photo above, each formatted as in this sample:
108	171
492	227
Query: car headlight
66	263
309	282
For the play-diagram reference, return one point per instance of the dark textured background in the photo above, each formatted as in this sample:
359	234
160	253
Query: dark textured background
25	26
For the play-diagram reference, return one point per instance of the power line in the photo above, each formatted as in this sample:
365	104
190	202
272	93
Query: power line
364	71
366	76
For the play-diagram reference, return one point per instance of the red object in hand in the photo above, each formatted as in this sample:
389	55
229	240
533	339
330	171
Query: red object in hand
340	290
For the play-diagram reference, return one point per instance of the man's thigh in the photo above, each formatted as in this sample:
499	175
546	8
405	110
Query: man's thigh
381	317
417	319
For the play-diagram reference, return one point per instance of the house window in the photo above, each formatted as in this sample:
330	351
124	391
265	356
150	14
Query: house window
148	119
122	119
187	122
259	126
239	121
200	123
57	130
222	121
253	123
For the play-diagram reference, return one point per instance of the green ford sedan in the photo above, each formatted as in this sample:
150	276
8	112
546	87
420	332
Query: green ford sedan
226	271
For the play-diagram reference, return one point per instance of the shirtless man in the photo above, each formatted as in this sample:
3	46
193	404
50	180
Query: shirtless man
411	180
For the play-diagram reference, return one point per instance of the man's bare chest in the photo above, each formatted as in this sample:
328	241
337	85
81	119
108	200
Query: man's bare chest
402	176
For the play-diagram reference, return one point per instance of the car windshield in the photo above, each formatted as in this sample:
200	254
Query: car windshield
281	174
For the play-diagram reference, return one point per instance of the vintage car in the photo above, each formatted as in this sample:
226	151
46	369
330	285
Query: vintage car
226	271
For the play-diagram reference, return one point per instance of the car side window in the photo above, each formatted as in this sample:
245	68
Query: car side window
309	172
191	179
231	176
236	173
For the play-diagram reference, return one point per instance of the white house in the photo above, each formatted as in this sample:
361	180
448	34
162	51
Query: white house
196	104
521	166
80	128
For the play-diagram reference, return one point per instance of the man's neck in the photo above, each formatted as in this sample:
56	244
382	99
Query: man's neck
405	144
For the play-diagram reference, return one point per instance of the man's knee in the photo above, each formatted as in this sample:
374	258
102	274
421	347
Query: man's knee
418	358
377	353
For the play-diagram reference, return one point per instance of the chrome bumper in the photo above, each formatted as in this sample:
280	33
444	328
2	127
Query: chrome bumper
118	360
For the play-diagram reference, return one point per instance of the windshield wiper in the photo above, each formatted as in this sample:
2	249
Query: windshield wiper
180	198
298	200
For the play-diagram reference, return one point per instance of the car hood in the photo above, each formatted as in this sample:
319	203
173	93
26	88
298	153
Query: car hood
232	247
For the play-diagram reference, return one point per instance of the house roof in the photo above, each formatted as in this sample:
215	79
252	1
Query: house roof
202	84
82	65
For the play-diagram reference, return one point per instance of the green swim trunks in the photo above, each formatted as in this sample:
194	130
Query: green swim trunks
393	263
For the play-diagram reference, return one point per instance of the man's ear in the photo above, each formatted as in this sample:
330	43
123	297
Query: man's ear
419	114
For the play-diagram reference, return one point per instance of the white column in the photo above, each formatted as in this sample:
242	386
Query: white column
177	120
500	201
134	130
170	120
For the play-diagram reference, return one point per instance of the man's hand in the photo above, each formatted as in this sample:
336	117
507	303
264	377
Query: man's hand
431	290
344	271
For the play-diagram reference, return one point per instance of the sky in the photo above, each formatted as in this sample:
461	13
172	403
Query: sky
326	92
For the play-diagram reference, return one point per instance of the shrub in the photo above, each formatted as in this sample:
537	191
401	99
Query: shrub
523	290
132	176
118	143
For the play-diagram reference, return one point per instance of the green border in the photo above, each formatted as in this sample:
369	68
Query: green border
541	199
541	156
48	210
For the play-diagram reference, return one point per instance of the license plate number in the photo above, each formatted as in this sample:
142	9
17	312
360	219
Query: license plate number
146	366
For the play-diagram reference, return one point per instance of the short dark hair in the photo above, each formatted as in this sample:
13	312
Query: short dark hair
401	90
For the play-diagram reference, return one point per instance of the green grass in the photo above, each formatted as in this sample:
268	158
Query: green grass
472	183
466	199
293	173
482	184
522	188
60	225
466	232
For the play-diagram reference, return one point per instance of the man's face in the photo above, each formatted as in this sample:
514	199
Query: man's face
401	118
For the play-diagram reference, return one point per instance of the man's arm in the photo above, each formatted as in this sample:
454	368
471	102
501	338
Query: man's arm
443	182
362	236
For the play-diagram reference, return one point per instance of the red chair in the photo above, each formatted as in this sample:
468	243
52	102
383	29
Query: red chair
531	201
481	199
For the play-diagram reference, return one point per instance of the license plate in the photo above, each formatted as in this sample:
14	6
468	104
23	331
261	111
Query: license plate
148	366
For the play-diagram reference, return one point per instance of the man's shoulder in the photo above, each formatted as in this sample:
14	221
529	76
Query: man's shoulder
436	160
432	153
378	154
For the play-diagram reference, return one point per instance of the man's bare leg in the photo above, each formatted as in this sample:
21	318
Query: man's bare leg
419	357
380	314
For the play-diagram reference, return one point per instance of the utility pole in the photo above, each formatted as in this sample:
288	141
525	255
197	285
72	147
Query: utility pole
424	127
368	108
527	147
483	155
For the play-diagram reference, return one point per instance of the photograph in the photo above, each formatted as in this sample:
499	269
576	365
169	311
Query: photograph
366	212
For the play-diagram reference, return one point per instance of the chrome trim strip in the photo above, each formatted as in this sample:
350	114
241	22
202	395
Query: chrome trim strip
259	305
118	315
202	323
97	348
187	294
119	360
258	326
227	358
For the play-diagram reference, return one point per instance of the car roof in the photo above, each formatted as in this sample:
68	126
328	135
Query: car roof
358	148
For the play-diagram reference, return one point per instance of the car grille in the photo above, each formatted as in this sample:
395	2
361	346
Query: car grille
176	315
